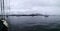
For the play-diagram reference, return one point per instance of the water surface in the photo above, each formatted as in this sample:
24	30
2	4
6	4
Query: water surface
22	22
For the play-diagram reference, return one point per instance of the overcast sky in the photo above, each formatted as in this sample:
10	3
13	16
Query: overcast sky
51	7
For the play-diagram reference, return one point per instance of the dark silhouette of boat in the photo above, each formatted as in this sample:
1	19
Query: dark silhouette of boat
2	26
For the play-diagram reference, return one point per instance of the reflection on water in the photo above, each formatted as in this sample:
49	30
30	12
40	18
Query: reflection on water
36	23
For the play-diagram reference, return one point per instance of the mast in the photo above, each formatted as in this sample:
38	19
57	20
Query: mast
3	6
2	9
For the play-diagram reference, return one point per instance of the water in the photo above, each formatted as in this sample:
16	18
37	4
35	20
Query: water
26	23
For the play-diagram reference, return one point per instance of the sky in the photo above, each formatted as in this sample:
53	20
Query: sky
51	7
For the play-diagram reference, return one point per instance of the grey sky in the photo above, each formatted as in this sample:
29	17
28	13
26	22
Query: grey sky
34	6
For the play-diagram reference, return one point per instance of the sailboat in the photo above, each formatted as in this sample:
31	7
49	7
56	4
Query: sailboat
2	18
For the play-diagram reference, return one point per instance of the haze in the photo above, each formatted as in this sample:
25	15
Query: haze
50	7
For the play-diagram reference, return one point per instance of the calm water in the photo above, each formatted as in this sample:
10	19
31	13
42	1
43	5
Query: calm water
26	23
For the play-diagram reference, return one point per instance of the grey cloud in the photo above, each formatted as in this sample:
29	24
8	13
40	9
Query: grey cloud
48	6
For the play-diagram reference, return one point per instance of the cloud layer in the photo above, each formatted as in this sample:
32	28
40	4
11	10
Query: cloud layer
33	6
